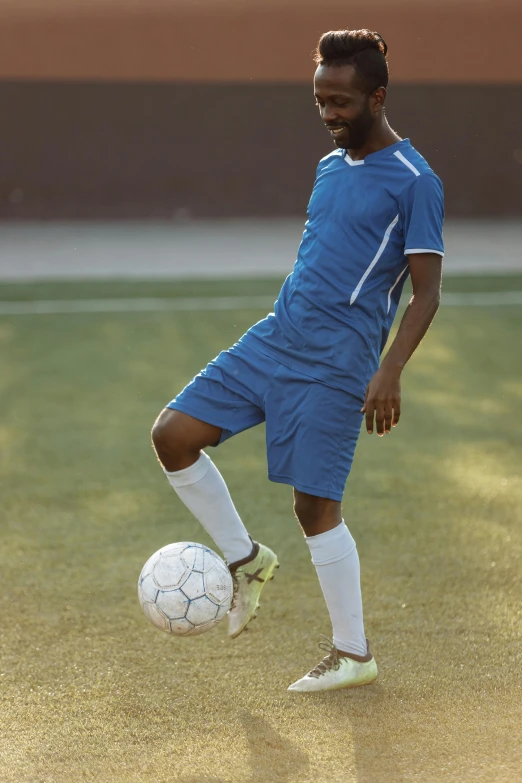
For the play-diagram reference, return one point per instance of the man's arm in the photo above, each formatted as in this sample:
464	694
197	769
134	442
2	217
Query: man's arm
383	395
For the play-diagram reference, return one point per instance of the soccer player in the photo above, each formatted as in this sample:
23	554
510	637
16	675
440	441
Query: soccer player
310	369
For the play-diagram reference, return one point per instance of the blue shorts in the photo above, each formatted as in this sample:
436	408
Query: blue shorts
311	429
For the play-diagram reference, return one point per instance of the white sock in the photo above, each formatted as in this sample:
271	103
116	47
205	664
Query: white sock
202	489
335	557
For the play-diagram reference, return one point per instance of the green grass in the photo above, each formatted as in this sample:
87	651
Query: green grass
95	289
91	691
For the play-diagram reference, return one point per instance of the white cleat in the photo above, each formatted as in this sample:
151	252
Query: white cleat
249	579
337	670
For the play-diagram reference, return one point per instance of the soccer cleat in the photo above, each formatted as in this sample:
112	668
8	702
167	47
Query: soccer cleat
337	670
249	578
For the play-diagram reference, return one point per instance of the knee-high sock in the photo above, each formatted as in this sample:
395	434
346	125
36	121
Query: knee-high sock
336	560
202	489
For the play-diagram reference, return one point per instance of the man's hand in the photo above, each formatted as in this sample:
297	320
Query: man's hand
383	400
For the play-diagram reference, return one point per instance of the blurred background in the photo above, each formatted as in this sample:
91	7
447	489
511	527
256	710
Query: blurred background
177	111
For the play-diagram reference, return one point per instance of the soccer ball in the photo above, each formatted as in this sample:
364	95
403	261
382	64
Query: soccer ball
185	589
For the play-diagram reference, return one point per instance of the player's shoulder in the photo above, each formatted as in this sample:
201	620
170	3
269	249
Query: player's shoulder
411	164
331	158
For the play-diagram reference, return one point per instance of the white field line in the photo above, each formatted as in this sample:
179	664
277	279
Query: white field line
152	305
488	299
155	305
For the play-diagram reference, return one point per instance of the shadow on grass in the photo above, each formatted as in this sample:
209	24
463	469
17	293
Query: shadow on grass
271	756
360	728
377	757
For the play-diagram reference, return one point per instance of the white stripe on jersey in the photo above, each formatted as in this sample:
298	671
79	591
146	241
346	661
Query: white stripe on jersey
379	253
407	163
351	162
409	252
390	292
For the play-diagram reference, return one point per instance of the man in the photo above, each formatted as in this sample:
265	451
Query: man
311	368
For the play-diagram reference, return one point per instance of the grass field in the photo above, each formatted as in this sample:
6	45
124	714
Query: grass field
90	691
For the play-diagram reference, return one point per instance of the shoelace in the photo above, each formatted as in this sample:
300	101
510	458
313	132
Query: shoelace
235	586
330	661
235	580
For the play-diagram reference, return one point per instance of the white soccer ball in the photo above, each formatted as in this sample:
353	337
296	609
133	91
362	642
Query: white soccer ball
185	589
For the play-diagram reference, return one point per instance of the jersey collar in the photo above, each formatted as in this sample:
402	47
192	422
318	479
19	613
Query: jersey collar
378	154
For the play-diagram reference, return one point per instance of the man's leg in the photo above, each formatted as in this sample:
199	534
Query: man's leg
335	557
334	554
229	391
179	440
312	431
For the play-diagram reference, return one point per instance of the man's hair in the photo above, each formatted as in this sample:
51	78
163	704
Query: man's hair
365	50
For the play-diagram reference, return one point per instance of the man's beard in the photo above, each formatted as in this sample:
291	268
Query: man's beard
360	130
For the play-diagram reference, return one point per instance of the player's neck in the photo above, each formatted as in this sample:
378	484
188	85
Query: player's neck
382	137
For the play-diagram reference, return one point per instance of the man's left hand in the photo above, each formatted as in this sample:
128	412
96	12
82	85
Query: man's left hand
383	400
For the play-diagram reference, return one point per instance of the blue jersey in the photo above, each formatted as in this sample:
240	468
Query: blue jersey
335	310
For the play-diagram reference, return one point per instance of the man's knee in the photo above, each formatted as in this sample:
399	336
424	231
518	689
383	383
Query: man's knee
167	436
163	430
316	515
179	438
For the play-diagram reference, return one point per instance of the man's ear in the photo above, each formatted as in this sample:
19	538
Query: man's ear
378	98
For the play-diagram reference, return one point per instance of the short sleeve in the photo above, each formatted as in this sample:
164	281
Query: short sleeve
422	212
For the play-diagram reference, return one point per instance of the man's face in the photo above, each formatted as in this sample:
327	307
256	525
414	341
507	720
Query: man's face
347	111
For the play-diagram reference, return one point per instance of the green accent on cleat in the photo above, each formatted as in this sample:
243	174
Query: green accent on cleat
249	579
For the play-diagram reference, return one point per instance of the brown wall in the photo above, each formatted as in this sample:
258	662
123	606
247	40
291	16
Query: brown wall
148	150
140	108
436	41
